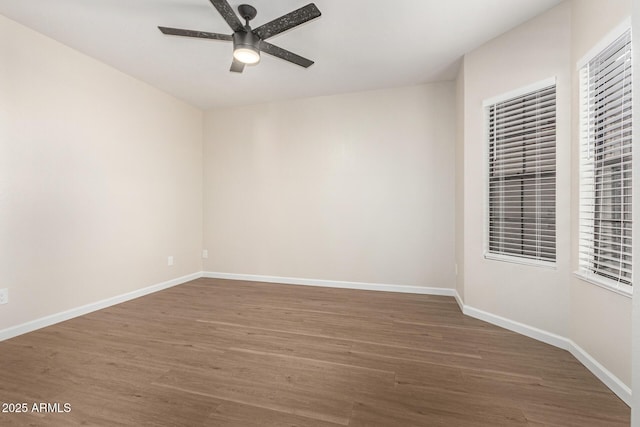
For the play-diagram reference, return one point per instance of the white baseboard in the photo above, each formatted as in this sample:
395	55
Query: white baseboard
43	322
521	328
602	373
333	284
459	300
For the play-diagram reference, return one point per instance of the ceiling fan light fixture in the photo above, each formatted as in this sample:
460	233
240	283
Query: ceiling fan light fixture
246	55
245	47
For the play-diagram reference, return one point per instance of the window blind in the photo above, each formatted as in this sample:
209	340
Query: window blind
522	176
605	164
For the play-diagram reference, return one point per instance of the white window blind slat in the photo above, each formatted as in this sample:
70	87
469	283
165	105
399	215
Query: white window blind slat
522	176
530	116
517	103
605	164
546	138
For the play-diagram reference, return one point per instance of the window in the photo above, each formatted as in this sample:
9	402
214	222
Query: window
522	177
605	166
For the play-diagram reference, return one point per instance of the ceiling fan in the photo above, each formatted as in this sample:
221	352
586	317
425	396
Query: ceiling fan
249	43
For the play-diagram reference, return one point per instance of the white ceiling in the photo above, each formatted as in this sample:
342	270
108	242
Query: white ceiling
356	44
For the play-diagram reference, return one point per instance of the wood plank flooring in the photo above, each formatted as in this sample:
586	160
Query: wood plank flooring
225	353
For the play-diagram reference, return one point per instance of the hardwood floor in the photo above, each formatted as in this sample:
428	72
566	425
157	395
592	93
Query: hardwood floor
221	353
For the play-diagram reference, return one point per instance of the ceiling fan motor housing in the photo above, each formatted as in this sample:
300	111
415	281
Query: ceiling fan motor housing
245	39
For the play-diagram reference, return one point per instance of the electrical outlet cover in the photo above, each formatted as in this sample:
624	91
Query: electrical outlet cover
4	296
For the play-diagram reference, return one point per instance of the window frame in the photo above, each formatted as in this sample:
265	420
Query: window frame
489	255
599	48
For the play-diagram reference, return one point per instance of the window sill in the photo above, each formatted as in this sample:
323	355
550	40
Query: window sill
609	285
522	261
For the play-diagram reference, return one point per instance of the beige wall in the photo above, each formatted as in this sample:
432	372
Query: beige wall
100	180
600	319
356	187
534	51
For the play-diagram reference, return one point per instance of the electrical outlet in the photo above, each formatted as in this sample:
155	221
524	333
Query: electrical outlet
4	296
170	260
205	253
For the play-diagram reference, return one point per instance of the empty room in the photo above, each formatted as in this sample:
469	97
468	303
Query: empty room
338	213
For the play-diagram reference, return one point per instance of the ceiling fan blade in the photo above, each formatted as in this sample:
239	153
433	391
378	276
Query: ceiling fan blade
284	54
237	66
193	33
228	14
288	21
